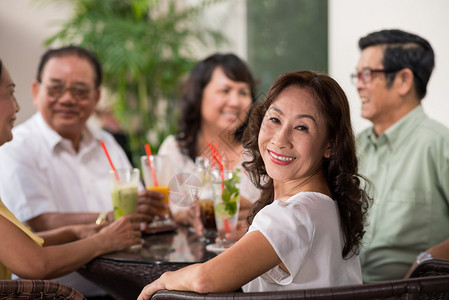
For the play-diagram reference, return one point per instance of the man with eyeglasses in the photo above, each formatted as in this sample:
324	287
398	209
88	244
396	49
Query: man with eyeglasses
405	154
56	169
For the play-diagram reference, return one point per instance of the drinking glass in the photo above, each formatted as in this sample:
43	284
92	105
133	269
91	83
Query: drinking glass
226	190
124	183
163	172
206	200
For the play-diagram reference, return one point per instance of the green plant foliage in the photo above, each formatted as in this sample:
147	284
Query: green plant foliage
145	47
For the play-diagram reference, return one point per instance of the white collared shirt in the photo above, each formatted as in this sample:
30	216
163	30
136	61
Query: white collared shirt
41	172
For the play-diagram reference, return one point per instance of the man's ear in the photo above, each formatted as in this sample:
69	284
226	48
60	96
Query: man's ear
35	91
404	79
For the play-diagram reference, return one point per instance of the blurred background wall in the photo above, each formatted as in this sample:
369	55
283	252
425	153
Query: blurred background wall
351	19
274	36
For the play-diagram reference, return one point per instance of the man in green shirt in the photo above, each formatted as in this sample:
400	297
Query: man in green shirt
404	154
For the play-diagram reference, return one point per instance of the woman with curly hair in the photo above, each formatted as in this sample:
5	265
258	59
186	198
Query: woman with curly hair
307	227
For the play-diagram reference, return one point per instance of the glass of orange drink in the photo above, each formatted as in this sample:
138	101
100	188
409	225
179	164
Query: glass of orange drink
158	179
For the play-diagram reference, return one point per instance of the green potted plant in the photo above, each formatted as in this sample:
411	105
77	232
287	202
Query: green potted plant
145	47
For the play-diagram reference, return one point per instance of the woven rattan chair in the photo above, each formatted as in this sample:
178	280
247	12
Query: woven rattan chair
37	289
124	280
436	287
433	267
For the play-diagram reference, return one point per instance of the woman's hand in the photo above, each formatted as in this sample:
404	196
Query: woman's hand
121	234
191	217
86	230
195	219
151	288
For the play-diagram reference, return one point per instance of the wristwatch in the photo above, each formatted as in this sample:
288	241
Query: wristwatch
423	256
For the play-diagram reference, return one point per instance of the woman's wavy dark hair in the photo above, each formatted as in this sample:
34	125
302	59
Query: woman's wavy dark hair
201	74
1	67
340	169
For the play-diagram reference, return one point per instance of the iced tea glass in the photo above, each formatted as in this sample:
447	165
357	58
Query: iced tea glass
206	200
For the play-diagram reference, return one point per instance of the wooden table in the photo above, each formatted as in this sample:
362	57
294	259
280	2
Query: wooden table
123	274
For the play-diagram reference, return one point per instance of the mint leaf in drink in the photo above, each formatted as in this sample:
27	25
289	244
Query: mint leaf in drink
231	193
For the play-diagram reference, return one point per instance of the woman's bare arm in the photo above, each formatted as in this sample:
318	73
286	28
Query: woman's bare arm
250	257
28	260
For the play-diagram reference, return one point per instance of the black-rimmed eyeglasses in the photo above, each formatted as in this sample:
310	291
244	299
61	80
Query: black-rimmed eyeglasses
366	75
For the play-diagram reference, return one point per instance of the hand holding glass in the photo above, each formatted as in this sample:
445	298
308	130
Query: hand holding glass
163	173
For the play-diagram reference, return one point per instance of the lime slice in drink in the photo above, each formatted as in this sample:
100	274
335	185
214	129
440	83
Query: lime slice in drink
220	211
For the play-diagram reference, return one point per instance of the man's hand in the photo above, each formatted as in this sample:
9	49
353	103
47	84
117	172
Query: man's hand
150	205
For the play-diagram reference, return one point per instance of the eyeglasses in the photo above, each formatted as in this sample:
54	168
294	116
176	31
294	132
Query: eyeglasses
366	75
78	93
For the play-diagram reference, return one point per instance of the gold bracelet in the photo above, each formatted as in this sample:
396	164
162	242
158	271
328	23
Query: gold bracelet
103	216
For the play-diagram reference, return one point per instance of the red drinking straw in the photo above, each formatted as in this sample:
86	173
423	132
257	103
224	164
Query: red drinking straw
214	149
214	156
220	165
110	161
150	163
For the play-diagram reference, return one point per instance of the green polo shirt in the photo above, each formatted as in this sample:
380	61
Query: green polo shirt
409	168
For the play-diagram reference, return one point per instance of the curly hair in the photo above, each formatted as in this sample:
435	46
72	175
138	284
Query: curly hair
200	76
340	169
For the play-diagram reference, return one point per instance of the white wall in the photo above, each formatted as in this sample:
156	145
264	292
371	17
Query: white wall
229	17
351	19
23	29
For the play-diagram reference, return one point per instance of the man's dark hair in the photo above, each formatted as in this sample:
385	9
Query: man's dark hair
404	50
69	51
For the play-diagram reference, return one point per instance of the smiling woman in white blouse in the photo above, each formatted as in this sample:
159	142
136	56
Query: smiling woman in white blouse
307	227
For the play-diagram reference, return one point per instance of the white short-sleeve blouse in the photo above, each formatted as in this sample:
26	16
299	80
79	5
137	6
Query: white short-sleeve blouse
306	234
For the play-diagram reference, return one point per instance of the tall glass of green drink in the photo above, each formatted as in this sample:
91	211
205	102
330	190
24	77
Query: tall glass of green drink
124	184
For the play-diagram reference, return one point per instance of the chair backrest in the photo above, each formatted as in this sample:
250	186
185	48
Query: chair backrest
416	288
433	267
37	289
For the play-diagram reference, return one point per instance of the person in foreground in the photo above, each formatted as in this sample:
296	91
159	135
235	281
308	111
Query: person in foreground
216	100
22	252
405	154
56	169
308	224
